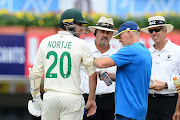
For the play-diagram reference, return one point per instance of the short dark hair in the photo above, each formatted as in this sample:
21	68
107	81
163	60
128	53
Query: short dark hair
95	32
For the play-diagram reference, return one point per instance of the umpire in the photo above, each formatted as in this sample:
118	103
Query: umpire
100	47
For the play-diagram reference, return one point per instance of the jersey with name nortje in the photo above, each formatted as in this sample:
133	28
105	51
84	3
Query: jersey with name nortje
60	57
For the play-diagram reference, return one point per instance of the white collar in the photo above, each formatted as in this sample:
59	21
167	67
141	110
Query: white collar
94	49
65	33
167	47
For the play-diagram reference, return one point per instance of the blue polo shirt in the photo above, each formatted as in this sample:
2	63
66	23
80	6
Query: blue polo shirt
132	80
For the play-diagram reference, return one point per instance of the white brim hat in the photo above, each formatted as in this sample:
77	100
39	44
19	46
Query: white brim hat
157	21
105	24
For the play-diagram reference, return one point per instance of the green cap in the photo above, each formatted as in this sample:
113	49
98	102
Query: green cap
72	13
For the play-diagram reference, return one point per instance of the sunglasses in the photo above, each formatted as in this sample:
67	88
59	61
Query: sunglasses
107	25
155	30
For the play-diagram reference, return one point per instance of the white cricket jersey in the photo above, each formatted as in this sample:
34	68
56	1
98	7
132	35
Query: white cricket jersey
165	66
101	87
60	57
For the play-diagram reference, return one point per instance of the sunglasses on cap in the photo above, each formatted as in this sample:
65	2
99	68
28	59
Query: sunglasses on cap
106	25
155	29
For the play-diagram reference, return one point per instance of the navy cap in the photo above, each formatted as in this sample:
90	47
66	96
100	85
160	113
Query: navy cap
129	25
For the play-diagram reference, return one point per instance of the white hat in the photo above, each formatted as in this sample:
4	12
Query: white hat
156	21
104	24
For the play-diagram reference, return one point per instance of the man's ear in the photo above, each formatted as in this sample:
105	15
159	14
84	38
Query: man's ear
129	33
165	30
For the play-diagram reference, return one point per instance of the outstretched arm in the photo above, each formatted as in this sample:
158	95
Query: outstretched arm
104	62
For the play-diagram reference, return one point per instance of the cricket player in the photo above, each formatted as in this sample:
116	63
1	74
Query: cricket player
59	57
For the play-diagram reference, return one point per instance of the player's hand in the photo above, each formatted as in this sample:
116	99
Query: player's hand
176	116
98	74
178	89
158	86
152	82
91	106
35	106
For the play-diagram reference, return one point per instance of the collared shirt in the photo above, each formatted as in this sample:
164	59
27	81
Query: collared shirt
166	66
60	57
101	88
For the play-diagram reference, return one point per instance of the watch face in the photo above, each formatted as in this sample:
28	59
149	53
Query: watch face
166	86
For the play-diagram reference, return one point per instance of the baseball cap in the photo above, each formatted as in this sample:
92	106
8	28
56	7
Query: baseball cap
129	25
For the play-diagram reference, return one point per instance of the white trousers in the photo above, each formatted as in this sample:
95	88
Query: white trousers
62	106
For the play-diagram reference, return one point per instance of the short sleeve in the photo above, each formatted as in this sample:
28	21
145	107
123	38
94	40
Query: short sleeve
87	59
123	56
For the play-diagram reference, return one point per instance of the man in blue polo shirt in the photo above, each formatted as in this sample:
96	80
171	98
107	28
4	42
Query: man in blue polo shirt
133	73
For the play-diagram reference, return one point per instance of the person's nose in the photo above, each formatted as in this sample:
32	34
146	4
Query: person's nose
105	33
81	29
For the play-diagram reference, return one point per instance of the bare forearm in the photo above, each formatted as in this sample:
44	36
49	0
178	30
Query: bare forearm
98	63
104	62
112	76
92	86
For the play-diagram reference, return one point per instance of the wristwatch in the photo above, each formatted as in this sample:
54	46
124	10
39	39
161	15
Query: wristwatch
166	85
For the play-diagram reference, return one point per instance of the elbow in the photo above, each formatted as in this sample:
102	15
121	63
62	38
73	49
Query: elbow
99	65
